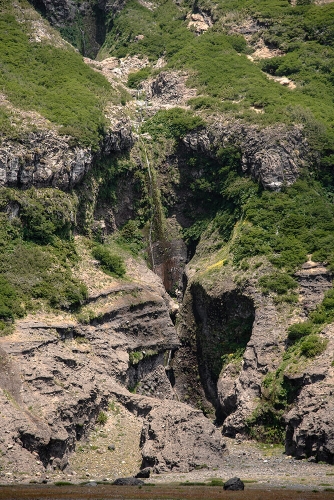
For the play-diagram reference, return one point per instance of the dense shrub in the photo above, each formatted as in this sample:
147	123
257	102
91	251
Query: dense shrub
172	123
279	283
53	81
134	79
110	262
312	346
299	330
10	306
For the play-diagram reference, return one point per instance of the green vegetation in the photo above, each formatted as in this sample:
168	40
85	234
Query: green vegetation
111	263
134	79
299	330
51	80
102	418
278	392
173	123
224	77
37	253
136	356
287	226
312	346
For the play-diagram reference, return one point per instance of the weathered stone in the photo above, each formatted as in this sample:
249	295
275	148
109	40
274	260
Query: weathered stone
234	484
45	159
175	437
144	473
128	481
274	155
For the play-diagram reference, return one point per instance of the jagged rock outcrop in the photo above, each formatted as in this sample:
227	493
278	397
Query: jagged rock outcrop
210	306
309	422
176	438
57	375
45	159
274	156
168	89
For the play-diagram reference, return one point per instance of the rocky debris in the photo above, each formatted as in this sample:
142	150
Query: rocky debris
274	156
168	89
283	80
45	159
128	481
175	437
309	422
234	484
115	69
96	458
199	22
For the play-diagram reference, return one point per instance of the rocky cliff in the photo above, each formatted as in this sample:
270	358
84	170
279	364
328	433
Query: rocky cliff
226	242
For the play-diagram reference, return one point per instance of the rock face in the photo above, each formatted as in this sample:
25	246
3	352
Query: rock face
273	156
176	438
62	373
309	423
57	375
233	385
45	159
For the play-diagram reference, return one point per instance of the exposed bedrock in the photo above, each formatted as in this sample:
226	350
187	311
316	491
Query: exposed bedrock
237	337
274	155
56	376
309	422
217	318
169	259
224	326
46	159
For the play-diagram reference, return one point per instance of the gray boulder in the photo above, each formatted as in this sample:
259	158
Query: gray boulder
234	484
128	481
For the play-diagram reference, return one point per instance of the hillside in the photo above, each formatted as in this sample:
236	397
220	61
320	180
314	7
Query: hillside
167	219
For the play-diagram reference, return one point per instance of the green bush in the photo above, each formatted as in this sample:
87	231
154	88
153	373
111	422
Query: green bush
172	123
110	262
131	236
299	330
279	283
134	79
313	346
10	306
266	424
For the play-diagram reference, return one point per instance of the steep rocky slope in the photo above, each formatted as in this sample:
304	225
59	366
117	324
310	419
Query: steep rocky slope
214	188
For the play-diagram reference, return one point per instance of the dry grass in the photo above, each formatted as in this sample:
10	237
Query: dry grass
110	492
